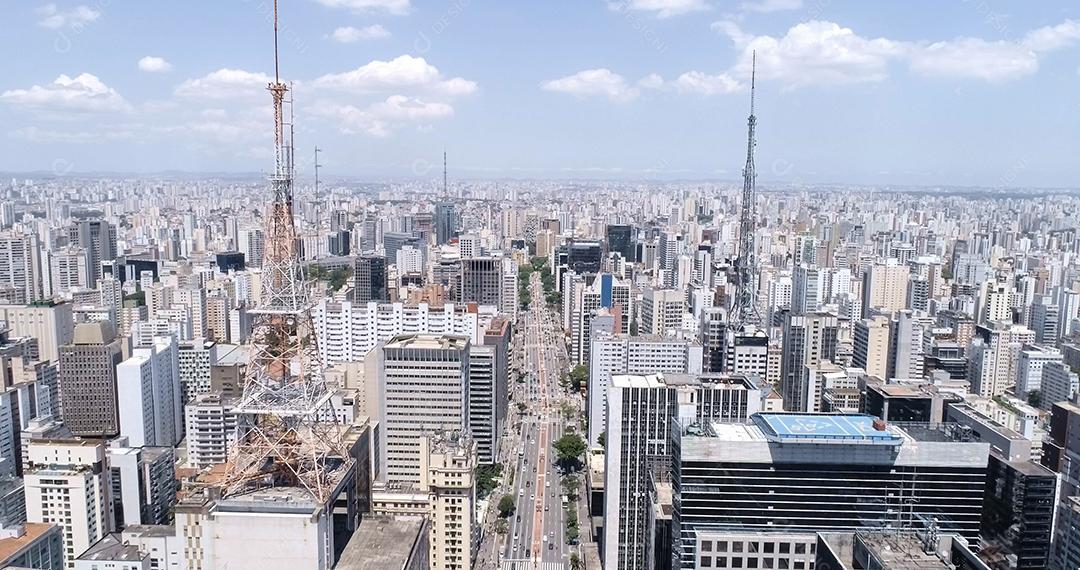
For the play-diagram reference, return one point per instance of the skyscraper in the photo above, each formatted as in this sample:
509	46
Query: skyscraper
481	281
808	340
88	391
445	222
620	239
369	279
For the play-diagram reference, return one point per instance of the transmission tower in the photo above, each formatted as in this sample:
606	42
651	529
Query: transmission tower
745	312
288	434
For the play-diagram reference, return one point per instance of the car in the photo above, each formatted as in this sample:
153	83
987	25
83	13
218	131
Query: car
551	546
521	492
545	538
546	509
532	497
528	483
515	537
519	518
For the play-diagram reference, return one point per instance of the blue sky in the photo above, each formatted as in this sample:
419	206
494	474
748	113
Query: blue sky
943	92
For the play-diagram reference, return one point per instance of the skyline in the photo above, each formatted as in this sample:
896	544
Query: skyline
638	89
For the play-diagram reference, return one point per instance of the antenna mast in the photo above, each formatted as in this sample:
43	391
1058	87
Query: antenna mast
287	431
745	311
445	187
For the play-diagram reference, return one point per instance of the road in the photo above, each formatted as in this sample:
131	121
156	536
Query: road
536	536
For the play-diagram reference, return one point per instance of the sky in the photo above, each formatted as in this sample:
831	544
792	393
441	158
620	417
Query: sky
869	92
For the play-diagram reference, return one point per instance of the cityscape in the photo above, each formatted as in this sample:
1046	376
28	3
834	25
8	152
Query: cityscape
814	307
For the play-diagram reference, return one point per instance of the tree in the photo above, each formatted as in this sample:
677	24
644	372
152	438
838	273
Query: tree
506	506
538	262
501	526
579	377
575	561
571	484
633	327
339	277
602	439
569	448
1034	397
485	478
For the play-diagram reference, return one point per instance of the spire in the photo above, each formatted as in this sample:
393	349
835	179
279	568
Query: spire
744	311
753	76
445	187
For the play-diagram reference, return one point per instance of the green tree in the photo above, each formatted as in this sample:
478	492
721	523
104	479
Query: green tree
1034	397
501	526
339	277
485	478
569	448
506	506
571	484
538	262
579	377
602	439
575	561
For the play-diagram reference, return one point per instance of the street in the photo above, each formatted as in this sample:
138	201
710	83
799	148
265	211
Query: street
535	539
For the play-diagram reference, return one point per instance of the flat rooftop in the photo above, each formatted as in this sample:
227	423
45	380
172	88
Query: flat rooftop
429	341
837	428
9	547
383	543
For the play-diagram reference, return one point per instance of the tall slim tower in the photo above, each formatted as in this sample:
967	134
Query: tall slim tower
745	311
747	343
287	434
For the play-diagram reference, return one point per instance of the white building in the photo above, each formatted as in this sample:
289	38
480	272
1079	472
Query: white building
1029	368
211	429
149	395
67	485
613	355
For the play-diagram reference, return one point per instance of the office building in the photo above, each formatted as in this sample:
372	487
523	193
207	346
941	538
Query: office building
369	279
211	429
1030	367
98	238
149	394
480	281
662	311
423	386
806	290
808	340
67	485
885	286
88	390
639	413
871	346
820	472
52	324
142	483
620	239
1058	384
446	222
20	268
614	355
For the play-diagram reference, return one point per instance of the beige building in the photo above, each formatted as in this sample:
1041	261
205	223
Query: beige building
885	286
52	324
88	391
871	346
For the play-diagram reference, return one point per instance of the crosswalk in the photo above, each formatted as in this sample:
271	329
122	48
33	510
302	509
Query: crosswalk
528	564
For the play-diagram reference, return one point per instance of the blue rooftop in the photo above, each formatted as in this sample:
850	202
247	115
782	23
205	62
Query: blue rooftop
824	428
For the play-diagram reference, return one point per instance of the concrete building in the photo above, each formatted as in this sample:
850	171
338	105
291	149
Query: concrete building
662	311
20	267
885	286
1030	367
1058	384
32	545
639	413
808	340
871	346
387	543
994	351
348	331
52	324
67	485
149	394
211	429
778	467
423	386
369	279
480	281
88	381
613	355
110	552
143	483
447	465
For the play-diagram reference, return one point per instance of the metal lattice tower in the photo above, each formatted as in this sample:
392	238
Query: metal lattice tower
288	433
745	312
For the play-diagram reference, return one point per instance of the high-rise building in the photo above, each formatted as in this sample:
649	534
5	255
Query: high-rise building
423	386
210	420
1045	320
369	279
871	346
32	545
446	222
819	472
906	358
98	238
613	355
447	466
885	286
149	395
143	483
662	311
484	422
806	289
620	239
639	413
480	281
20	268
1030	366
67	485
88	391
993	355
808	340
1058	383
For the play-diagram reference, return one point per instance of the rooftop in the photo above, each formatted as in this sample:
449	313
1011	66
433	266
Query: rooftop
429	341
383	543
9	547
825	428
112	549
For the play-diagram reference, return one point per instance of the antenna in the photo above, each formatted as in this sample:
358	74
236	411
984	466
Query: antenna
753	77
445	188
277	75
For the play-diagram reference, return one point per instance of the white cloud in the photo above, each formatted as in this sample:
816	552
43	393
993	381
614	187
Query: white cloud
705	84
814	52
661	8
382	118
396	7
83	93
151	64
768	6
974	58
403	71
349	34
1049	38
54	18
594	83
225	84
